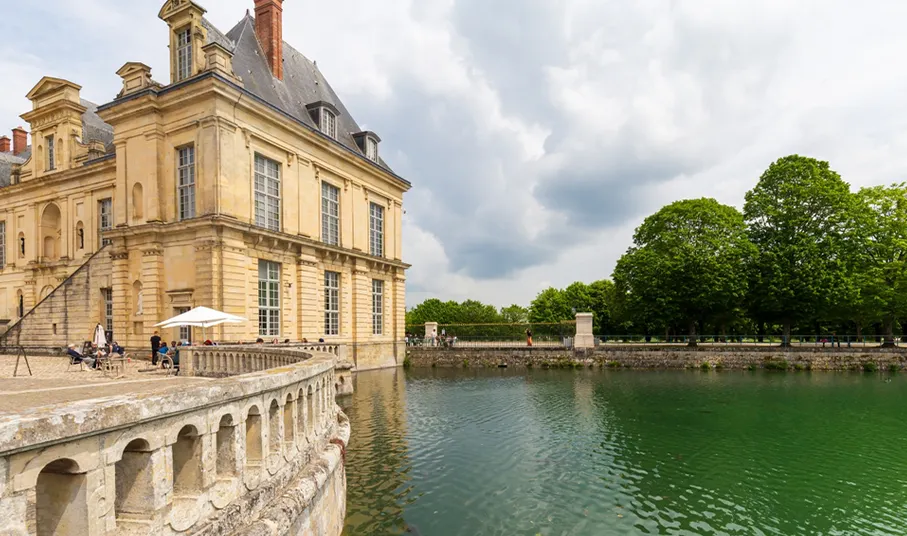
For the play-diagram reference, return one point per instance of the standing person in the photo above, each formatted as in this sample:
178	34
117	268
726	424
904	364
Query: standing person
155	346
528	337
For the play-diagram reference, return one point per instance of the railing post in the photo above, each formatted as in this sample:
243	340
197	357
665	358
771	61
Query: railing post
187	363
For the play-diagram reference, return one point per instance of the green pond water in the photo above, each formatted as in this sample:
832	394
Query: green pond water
443	452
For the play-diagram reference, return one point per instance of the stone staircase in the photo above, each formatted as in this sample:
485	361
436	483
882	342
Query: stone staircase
68	315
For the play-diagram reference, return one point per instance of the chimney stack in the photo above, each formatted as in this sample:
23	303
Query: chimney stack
4	144
269	28
20	140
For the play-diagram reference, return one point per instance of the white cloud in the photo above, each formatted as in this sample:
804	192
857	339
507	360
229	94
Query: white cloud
538	133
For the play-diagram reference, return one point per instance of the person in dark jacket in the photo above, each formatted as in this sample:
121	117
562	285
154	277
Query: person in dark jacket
155	346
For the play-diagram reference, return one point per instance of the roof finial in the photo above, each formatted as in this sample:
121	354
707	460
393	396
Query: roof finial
248	13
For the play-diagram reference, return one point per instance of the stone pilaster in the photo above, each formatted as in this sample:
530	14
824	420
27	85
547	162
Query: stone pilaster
362	303
152	293
119	276
310	309
235	295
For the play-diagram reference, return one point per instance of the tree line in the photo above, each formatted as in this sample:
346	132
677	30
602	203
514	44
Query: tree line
807	256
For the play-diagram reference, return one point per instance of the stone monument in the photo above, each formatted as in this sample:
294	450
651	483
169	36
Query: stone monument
584	337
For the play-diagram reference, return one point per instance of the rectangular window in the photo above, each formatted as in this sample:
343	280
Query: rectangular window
268	298
330	214
267	193
331	303
377	307
183	54
376	230
371	149
185	331
51	154
108	309
186	182
329	123
2	244
105	218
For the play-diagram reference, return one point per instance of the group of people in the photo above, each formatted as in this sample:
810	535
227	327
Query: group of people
445	339
93	354
160	349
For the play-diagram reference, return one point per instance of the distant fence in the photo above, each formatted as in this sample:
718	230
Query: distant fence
754	340
542	332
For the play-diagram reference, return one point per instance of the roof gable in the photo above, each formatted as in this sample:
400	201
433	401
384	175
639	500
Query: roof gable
50	84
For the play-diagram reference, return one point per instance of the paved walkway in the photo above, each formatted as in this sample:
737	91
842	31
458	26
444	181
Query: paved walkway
53	381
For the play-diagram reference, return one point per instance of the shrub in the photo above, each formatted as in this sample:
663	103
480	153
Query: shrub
407	362
870	366
612	364
751	367
776	364
719	366
465	363
893	368
705	366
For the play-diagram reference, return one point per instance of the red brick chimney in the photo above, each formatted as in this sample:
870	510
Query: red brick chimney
269	28
4	144
20	140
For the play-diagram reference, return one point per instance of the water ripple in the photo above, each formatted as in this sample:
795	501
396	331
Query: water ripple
454	452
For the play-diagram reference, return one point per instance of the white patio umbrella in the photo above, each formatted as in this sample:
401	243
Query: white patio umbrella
100	338
201	317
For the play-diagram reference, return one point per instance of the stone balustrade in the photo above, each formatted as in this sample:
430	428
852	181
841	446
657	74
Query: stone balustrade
222	361
259	453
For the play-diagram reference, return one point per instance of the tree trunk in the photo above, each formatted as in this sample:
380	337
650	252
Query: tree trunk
785	334
888	341
693	338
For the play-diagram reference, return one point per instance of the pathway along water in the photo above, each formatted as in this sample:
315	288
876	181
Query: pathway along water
441	452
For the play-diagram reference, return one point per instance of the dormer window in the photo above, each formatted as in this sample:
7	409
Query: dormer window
371	149
329	123
183	54
368	143
325	116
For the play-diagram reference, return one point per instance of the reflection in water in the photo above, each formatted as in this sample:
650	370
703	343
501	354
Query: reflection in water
496	452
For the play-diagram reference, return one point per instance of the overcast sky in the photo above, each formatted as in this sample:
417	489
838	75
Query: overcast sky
539	133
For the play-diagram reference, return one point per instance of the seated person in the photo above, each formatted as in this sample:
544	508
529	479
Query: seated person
79	358
209	343
164	350
115	348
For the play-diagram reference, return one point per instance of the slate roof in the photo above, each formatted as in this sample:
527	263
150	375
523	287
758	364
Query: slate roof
302	83
93	129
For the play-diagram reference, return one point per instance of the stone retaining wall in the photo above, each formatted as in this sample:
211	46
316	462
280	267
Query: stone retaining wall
259	453
677	357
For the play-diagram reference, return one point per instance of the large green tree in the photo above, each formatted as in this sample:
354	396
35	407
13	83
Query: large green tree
687	265
550	306
515	314
879	267
451	312
800	216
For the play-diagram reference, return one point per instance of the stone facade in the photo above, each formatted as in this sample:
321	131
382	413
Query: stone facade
229	179
255	454
665	357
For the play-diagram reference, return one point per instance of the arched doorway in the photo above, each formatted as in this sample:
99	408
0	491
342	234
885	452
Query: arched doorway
61	499
51	231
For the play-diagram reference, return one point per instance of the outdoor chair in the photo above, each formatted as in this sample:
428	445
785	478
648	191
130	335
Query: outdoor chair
74	363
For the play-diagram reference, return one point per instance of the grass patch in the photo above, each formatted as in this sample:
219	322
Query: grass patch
465	363
705	366
612	364
775	364
870	366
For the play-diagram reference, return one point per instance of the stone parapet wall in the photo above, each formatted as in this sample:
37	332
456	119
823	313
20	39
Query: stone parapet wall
231	456
640	357
377	355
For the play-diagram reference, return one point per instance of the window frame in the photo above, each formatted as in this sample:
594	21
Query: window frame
2	245
332	284
185	191
330	235
107	294
371	148
269	294
102	216
51	163
376	234
184	54
328	122
378	306
266	215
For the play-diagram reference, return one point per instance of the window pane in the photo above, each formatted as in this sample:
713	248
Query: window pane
268	298
267	193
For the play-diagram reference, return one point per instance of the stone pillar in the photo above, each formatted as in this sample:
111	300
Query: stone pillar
431	331
122	291
152	293
584	337
308	307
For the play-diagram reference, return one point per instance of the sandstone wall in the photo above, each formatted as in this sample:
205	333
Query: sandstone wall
368	356
69	314
674	357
